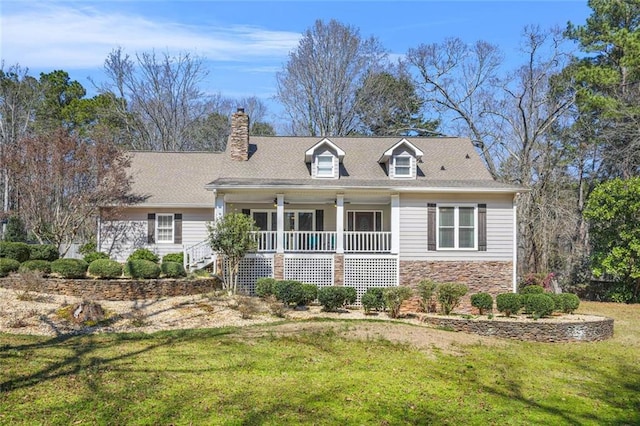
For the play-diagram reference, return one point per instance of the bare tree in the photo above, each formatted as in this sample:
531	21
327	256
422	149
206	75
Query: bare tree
318	84
159	98
19	98
64	180
459	82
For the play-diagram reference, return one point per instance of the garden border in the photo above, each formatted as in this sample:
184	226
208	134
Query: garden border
115	289
563	330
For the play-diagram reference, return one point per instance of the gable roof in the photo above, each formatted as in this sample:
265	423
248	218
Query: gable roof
326	141
182	178
389	153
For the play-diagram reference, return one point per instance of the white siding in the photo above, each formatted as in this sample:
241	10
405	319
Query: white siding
413	228
121	237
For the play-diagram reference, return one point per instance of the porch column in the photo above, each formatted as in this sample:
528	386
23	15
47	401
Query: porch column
280	223
340	223
218	202
395	223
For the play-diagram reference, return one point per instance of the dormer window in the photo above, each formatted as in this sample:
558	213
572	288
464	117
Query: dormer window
324	164
402	166
401	160
324	159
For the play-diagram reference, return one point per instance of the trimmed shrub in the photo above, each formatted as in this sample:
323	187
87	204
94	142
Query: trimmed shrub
264	287
350	295
42	266
508	303
105	268
310	293
144	254
69	268
482	301
141	268
539	305
426	290
16	251
373	299
7	266
43	252
333	297
173	269
571	302
393	298
289	292
449	295
173	257
532	289
95	255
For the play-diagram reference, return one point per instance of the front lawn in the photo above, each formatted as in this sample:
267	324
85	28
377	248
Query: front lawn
237	376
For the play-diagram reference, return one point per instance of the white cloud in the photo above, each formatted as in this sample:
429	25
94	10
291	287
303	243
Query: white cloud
74	36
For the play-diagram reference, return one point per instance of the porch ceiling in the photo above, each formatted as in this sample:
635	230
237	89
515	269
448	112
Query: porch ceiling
316	197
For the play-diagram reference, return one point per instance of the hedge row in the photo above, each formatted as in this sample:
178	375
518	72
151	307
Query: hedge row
22	252
537	304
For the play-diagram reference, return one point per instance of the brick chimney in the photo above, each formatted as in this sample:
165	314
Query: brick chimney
239	138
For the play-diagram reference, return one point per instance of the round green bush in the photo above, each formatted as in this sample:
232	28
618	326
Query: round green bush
482	301
539	305
69	268
141	268
449	295
144	254
289	292
173	257
173	269
43	252
373	299
7	266
331	298
571	302
532	289
95	255
16	251
310	293
508	303
265	286
43	266
105	268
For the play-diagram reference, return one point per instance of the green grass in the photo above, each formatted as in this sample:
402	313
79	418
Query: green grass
222	376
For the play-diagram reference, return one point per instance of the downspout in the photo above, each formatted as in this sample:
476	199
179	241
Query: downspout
515	244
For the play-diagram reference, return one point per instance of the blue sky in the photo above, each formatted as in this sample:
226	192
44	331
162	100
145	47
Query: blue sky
246	43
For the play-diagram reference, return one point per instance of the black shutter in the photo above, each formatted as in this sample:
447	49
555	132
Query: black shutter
482	227
246	212
151	228
431	227
319	220
177	228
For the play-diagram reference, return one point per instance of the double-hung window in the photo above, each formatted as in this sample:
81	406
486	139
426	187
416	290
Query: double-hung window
164	228
325	166
402	166
457	227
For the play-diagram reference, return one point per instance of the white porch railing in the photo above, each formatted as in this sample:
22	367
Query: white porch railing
367	242
197	255
325	241
310	241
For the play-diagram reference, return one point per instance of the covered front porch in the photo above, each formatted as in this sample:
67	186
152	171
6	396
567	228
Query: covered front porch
318	222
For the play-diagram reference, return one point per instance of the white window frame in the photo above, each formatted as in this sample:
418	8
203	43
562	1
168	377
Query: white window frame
408	167
350	225
331	174
297	219
456	227
173	228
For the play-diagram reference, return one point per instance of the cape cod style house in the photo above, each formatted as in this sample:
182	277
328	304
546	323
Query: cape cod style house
356	211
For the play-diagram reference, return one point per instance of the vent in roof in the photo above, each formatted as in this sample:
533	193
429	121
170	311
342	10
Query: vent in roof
442	168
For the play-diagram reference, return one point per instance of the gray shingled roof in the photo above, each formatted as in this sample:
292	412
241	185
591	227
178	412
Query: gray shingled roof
174	178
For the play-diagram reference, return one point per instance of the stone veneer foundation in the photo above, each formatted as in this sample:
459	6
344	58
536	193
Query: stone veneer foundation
115	289
492	277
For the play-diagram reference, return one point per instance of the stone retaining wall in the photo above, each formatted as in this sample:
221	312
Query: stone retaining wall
114	289
536	331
